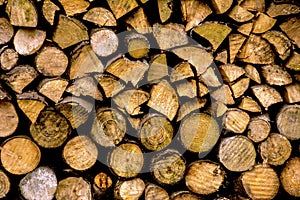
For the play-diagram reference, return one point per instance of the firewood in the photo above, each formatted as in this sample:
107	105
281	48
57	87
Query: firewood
184	195
126	160
237	153
235	43
236	120
83	62
19	77
69	31
239	88
53	88
170	35
198	57
164	99
263	23
80	153
19	155
187	88
261	182
73	7
22	13
288	121
281	43
196	139
6	31
29	41
181	71
254	5
158	68
259	128
109	127
100	16
138	45
155	132
76	110
221	6
222	56
204	177
139	22
210	78
194	12
110	85
73	188
231	72
240	14
128	70
266	95
202	89
104	42
275	10
219	109
292	93
168	167
39	184
291	27
276	75
50	130
190	106
223	94
4	184
246	28
85	86
31	103
122	7
214	32
290	177
131	101
252	73
293	62
164	9
130	189
276	149
154	192
9	59
49	9
256	51
249	104
8	118
101	185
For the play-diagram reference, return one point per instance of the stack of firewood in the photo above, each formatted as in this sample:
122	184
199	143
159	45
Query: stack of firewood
149	99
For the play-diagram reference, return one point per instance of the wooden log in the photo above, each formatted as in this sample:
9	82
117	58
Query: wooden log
259	128
246	28
219	109
249	104
122	7
158	68
20	155
29	41
80	153
131	189
76	110
276	10
210	77
222	56
254	5
155	132
187	88
31	103
6	31
266	95
252	73
53	88
237	153
126	160
235	43
138	45
231	72
73	188
190	106
275	150
9	59
22	13
202	89
109	127
154	192
240	14
290	177
19	77
110	85
194	12
4	184
139	22
223	94
163	99
73	7
164	9
4	94
39	184
288	121
293	62
184	195
69	31
221	6
84	61
236	120
49	10
104	42
8	118
276	75
199	132
57	66
168	167
292	93
261	182
291	27
100	16
263	23
204	177
240	87
196	56
213	32
102	184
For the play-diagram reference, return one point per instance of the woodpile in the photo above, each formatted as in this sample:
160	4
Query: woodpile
150	99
